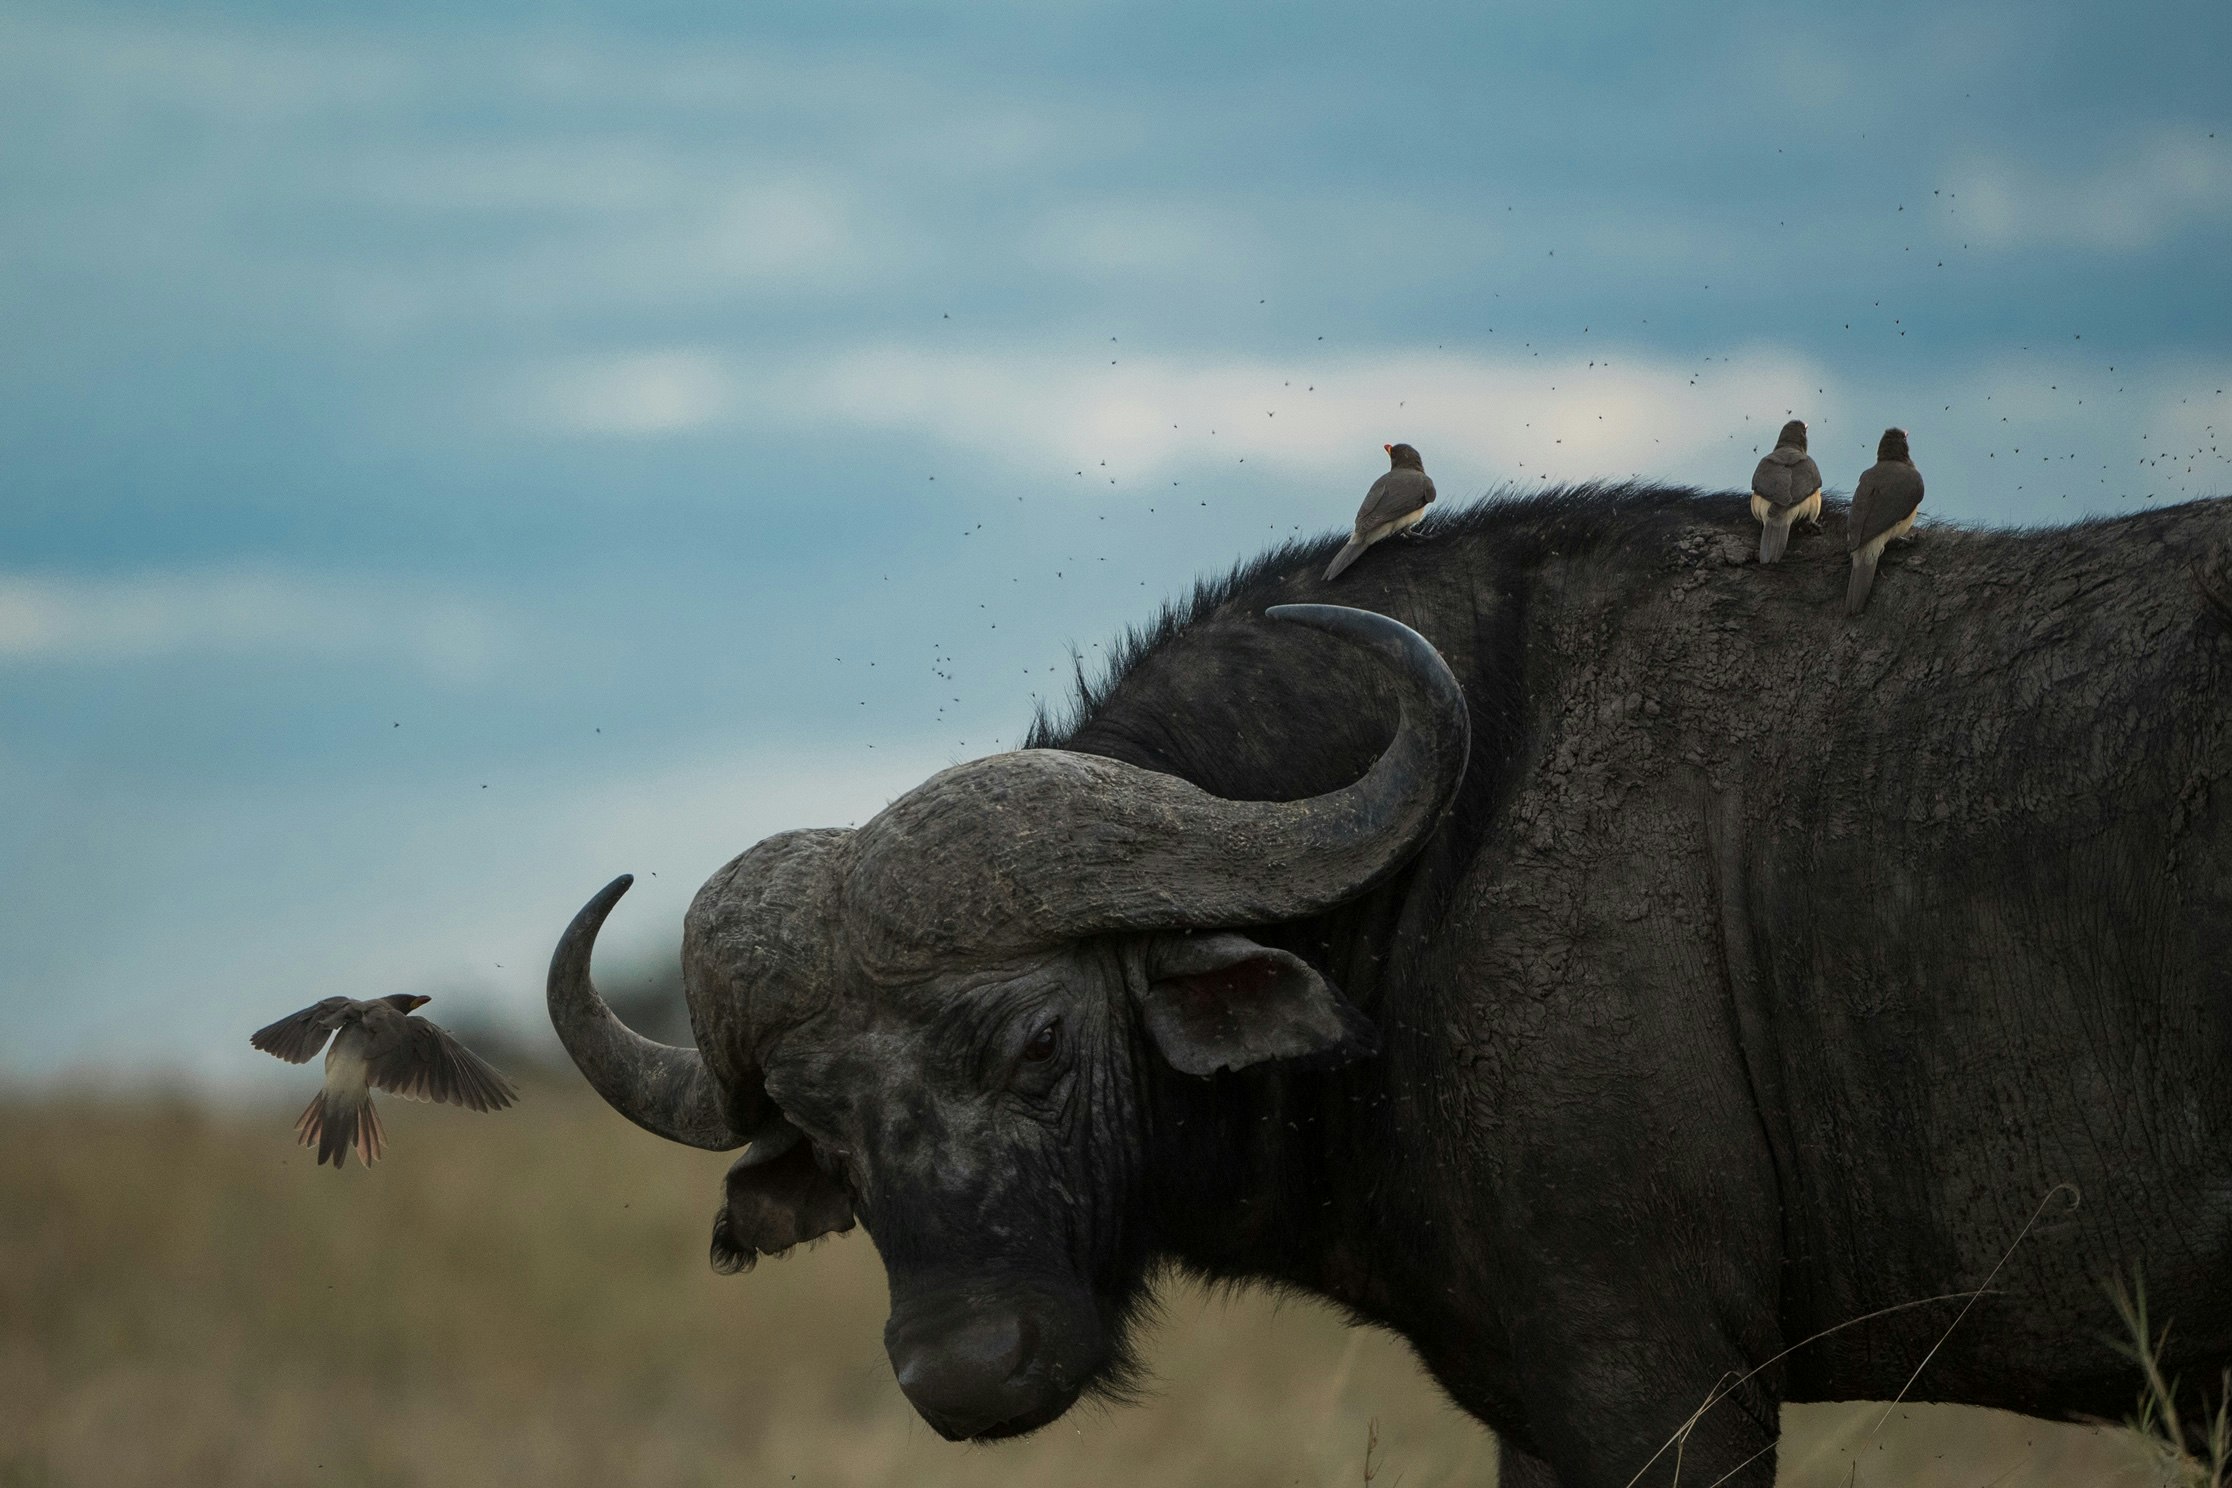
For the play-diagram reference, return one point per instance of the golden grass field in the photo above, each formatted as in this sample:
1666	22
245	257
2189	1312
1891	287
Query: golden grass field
524	1299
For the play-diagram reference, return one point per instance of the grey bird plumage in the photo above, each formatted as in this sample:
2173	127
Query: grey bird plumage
1395	504
1883	509
1786	490
376	1044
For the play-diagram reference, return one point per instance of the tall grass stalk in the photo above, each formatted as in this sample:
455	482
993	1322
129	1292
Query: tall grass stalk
2187	1456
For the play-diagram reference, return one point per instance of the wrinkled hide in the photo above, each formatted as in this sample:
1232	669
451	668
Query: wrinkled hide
1765	971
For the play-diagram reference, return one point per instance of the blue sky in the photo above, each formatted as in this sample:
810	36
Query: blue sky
450	455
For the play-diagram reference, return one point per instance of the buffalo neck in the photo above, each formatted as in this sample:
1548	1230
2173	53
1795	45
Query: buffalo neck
1291	1175
1257	1176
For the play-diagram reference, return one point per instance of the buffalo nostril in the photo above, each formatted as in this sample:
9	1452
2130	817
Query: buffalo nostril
978	1376
986	1348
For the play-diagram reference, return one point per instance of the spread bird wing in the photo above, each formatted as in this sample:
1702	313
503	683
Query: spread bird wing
417	1060
1889	492
298	1036
1395	494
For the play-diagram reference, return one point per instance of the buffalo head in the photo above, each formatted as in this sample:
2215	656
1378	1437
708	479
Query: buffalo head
941	1024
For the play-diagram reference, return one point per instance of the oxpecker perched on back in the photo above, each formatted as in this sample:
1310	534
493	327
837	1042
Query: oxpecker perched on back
1786	490
376	1044
1883	508
1394	504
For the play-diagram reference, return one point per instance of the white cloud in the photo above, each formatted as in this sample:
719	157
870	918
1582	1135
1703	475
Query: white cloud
643	393
1481	418
691	238
115	68
1811	74
1124	239
272	897
202	71
588	177
2161	186
2040	436
243	614
621	176
1571	415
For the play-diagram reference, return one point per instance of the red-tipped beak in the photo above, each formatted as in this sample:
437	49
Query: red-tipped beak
418	1002
1387	449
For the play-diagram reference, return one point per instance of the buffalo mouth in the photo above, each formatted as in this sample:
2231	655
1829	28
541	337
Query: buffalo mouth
986	1370
1013	1426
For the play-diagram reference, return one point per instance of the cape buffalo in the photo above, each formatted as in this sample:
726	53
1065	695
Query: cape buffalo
1681	971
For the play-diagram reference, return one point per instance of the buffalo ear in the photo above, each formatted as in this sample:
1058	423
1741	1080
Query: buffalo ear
777	1197
1221	1001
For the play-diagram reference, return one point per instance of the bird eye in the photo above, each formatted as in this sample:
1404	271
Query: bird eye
1043	1043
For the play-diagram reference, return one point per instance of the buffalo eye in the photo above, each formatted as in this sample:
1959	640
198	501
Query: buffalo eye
1043	1044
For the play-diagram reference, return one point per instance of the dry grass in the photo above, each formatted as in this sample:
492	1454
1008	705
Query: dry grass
524	1299
2184	1453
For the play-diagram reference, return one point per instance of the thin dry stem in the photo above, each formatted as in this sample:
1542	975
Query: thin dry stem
2180	1458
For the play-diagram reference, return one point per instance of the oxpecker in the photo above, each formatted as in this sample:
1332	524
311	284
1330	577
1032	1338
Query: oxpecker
1394	504
1786	490
1883	508
376	1044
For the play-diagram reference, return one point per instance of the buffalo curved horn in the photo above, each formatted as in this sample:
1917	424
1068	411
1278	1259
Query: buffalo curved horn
665	1090
1043	845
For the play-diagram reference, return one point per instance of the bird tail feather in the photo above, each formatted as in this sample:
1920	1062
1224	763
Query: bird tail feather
1347	555
371	1137
313	1126
1863	579
1774	536
333	1125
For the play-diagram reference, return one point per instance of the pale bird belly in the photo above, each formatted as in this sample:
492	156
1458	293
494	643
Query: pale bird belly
1808	510
1400	524
1873	548
345	1072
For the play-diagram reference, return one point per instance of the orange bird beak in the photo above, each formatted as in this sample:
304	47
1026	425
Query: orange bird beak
419	1002
1387	449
